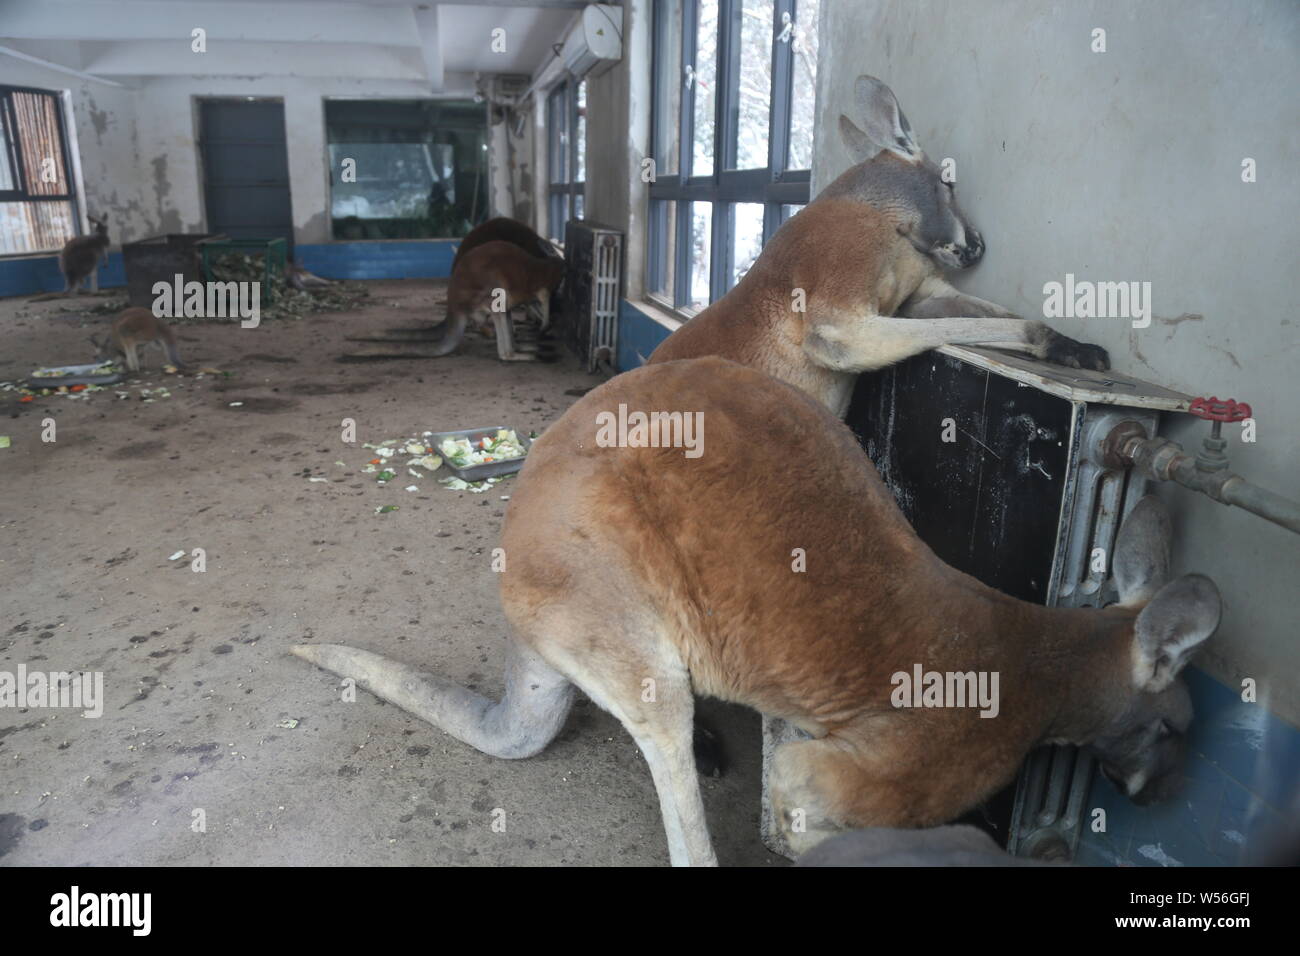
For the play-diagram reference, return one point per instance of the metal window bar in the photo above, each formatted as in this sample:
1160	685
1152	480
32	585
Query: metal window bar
33	125
773	186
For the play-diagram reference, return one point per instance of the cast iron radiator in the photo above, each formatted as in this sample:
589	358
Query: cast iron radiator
1019	500
593	278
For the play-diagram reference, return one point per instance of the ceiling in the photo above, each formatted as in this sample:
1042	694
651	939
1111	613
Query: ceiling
435	44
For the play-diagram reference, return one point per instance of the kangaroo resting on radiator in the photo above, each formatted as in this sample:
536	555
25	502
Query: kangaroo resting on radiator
643	576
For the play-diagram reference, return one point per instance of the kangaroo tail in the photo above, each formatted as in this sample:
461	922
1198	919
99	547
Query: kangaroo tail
453	331
521	724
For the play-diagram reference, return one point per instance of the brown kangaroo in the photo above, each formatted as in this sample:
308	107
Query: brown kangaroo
841	287
487	283
131	330
504	229
644	575
80	255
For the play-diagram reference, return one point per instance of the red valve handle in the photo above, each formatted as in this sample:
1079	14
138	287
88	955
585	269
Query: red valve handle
1215	410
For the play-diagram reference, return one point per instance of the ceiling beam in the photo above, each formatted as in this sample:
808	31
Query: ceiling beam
426	24
164	58
51	65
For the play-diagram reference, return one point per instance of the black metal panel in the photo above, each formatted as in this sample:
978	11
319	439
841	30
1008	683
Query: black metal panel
161	259
989	502
246	169
575	299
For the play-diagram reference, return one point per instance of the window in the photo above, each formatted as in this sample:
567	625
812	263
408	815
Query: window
38	211
406	169
566	160
732	121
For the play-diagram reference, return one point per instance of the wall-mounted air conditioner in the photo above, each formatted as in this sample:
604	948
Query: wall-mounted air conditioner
596	42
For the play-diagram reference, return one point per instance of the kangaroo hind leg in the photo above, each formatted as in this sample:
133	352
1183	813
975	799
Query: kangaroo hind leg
650	693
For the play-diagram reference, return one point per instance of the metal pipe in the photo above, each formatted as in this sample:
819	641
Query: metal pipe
1165	460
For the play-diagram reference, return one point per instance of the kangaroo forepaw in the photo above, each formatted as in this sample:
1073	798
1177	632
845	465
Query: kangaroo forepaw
1074	354
1062	350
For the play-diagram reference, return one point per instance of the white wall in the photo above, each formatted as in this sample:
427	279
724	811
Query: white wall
170	157
140	159
1126	165
618	138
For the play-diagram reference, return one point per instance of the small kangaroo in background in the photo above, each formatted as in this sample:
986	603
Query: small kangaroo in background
867	255
80	255
489	281
696	552
132	329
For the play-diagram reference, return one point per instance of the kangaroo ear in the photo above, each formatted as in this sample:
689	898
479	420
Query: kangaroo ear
884	123
856	140
1178	620
1142	552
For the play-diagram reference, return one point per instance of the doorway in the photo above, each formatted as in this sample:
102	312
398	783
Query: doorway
245	169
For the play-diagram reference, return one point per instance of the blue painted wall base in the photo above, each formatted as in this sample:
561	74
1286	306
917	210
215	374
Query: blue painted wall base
415	259
29	275
638	336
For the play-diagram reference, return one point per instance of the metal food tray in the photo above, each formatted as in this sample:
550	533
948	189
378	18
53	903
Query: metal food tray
492	469
77	375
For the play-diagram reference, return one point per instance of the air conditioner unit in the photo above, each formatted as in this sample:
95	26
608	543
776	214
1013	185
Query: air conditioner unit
596	42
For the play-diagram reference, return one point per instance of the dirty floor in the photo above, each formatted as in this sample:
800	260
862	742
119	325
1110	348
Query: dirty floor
197	759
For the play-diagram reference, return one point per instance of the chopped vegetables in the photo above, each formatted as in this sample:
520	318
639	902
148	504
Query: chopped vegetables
501	447
473	487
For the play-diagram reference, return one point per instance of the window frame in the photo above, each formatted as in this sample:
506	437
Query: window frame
13	137
562	193
773	186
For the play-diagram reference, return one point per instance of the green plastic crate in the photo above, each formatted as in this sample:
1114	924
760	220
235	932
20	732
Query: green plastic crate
274	253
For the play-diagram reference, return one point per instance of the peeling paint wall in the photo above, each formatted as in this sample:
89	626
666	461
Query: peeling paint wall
1120	166
103	132
510	168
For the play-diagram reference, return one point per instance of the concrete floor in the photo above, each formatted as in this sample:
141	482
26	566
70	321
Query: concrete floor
196	672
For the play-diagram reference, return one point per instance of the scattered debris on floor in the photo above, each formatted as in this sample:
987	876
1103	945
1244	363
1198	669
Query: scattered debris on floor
287	302
145	391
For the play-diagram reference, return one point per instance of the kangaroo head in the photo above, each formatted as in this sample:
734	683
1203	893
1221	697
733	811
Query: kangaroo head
1141	749
101	224
896	177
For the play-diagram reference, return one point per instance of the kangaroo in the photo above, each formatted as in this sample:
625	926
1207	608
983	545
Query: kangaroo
865	261
80	255
133	328
504	229
478	283
299	278
644	576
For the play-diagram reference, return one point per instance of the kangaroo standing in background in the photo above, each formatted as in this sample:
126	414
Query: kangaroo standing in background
707	601
132	329
867	255
504	229
80	255
489	281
